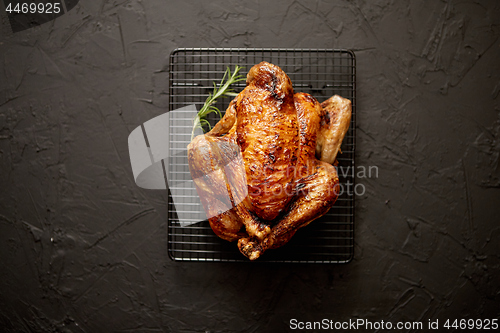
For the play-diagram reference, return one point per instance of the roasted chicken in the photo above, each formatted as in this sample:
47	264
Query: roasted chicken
265	169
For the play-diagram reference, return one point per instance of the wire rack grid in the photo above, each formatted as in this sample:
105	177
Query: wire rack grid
319	72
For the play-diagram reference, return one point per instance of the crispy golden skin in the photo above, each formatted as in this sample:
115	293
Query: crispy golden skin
278	185
267	132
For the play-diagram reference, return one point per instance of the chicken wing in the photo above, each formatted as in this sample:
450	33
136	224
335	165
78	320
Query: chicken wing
334	125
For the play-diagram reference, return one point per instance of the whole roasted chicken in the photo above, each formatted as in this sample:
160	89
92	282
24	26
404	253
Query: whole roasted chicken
265	169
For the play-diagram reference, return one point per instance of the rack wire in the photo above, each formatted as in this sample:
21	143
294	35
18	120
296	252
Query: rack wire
319	72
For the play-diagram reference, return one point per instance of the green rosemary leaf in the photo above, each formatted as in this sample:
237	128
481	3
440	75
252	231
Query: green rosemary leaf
221	91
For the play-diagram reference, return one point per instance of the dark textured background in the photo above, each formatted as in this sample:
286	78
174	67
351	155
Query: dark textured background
83	249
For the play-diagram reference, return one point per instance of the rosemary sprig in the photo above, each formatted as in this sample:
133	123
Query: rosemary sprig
222	90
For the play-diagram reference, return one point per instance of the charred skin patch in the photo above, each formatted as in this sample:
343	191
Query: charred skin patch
310	99
326	119
275	92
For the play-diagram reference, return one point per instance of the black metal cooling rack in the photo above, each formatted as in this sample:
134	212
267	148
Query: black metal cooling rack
319	72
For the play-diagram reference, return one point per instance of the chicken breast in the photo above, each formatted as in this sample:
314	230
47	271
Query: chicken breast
267	133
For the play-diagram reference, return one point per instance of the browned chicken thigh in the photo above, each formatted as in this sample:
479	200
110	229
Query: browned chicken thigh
256	171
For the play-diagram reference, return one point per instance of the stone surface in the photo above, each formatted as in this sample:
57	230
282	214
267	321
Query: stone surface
83	249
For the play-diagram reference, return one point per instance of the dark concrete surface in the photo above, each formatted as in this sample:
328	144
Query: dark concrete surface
83	249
